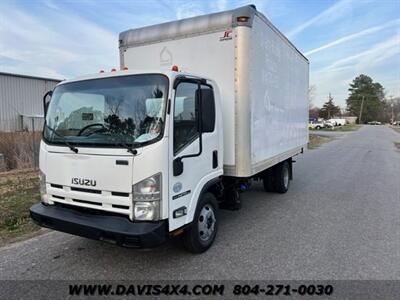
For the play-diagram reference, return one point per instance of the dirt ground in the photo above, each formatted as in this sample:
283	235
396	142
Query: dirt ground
316	140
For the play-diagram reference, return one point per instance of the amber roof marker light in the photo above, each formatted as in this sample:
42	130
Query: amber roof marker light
242	19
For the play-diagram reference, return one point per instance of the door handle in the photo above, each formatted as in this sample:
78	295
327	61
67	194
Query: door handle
215	159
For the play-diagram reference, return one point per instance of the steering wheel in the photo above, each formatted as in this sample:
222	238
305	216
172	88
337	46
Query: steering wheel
89	126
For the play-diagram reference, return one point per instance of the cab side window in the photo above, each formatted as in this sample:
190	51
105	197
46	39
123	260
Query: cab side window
185	118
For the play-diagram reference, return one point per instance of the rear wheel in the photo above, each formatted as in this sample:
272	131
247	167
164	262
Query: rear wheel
267	181
281	178
204	228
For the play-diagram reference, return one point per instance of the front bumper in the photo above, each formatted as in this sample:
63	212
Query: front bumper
115	229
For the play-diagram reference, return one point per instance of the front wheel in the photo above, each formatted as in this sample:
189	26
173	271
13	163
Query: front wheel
203	231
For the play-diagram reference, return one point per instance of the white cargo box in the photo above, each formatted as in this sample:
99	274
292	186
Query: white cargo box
262	77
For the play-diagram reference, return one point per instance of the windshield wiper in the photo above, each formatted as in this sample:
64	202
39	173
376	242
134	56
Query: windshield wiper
73	148
129	148
126	146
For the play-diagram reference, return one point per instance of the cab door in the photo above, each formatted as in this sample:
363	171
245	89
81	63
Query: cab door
194	149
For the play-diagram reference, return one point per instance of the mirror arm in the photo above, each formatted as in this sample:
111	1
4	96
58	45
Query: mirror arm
197	154
49	93
178	165
199	128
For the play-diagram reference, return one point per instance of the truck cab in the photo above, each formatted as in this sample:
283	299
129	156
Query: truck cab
116	154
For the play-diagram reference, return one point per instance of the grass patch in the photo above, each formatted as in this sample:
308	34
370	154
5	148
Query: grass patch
397	145
316	140
349	127
19	190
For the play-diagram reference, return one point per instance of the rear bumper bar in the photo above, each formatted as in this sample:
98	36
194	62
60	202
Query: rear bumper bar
114	229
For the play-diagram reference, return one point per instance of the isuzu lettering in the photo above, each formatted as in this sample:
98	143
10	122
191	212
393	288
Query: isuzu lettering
200	108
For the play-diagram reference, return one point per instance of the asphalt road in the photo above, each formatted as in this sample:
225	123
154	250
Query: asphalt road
339	220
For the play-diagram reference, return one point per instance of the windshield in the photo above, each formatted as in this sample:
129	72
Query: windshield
108	111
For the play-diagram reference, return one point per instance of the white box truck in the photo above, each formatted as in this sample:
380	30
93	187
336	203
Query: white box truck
200	108
337	122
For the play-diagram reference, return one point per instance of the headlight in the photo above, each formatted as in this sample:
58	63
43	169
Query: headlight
146	199
148	189
43	190
147	211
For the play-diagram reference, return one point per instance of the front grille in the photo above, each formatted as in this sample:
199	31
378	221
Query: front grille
120	206
85	190
119	194
110	201
87	202
57	186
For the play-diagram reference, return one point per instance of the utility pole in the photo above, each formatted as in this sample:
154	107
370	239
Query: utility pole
392	104
361	109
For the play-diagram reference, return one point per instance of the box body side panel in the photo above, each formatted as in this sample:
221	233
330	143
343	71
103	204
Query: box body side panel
278	93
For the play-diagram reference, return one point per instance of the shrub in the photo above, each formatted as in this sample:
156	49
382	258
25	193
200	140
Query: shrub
18	149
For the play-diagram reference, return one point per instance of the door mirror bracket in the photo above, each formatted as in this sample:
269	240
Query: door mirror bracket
46	103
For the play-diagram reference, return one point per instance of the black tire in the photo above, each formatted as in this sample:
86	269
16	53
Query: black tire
267	181
192	239
281	180
231	200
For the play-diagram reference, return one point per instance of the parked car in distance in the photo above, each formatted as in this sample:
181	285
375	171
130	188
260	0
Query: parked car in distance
337	122
374	123
316	125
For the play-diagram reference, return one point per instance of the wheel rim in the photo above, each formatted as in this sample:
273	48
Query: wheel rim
206	223
286	177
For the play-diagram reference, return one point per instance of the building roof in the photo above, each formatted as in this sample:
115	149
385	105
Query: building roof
31	77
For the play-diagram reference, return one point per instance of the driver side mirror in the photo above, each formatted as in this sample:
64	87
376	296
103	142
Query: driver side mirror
46	102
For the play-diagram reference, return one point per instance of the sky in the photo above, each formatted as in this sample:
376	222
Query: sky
341	39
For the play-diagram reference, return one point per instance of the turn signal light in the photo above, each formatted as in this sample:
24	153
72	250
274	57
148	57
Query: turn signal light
177	232
175	68
113	70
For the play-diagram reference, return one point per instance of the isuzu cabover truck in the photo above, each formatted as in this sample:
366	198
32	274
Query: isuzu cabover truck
199	109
